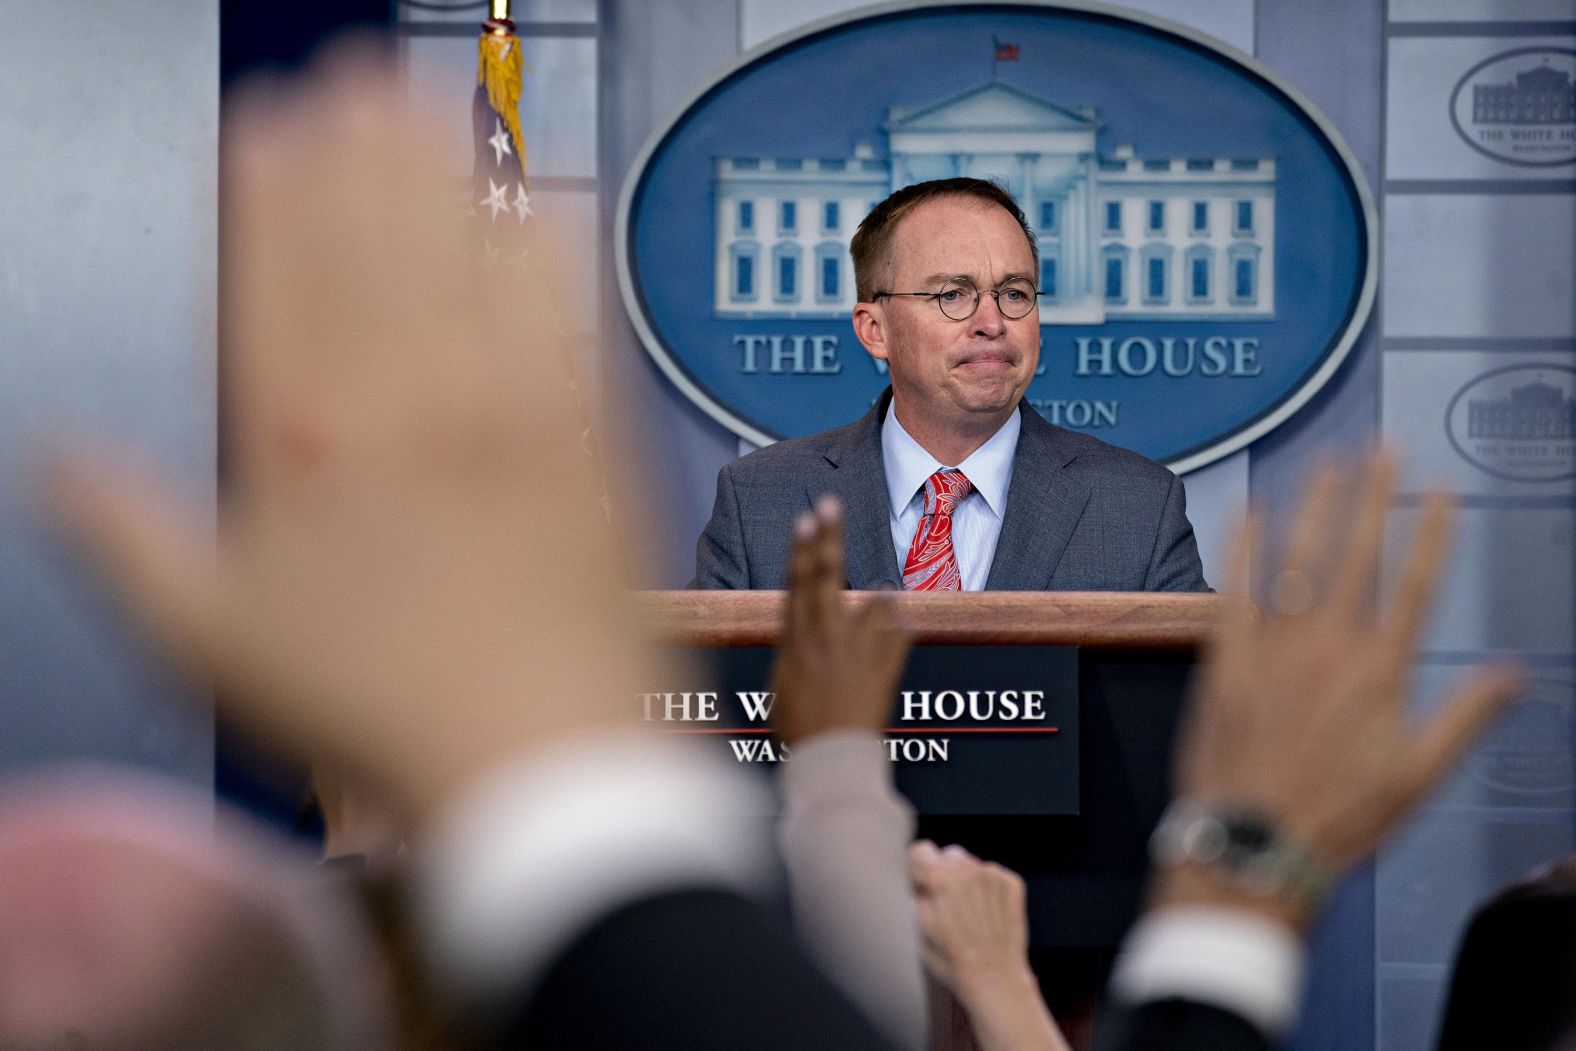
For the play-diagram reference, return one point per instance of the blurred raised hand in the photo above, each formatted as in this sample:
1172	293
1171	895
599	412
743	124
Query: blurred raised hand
1300	713
838	666
845	831
975	928
413	572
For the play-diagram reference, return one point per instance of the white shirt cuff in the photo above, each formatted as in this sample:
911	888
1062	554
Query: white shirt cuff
1250	966
536	852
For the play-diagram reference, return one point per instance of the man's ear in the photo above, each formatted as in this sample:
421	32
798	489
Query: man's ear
870	329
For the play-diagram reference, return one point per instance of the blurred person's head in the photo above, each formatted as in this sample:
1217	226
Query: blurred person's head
1513	987
133	917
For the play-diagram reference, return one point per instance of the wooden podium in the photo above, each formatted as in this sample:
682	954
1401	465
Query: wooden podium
1085	871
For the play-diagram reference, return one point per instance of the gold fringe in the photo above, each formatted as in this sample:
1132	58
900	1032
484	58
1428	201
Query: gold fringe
499	69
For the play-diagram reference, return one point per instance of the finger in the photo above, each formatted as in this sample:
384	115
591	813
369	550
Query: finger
1238	616
1215	698
1469	710
1006	877
1017	894
161	565
875	616
1229	651
887	641
996	881
897	630
1290	589
800	607
1239	561
1355	575
871	659
922	856
829	558
1414	594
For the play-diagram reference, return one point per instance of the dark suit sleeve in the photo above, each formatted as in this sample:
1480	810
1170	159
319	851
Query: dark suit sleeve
1177	1025
694	970
720	561
1174	563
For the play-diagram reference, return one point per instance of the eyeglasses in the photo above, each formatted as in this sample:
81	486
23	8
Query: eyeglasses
959	299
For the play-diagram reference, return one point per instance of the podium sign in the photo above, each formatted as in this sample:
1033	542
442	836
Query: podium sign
974	730
1071	811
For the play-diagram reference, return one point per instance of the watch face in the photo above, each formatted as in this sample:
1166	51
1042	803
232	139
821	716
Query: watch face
1242	847
1248	835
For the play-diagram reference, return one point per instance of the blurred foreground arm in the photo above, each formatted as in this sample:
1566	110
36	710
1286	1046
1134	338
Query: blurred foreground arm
1296	760
845	831
414	577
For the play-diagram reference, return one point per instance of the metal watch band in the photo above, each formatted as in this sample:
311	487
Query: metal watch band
1245	850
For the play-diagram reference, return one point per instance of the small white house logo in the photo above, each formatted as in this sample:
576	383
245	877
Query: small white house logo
1520	106
1518	422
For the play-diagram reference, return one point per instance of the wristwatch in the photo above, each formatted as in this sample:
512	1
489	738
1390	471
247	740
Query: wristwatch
1242	848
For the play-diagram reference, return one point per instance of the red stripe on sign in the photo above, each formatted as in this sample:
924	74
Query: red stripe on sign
895	730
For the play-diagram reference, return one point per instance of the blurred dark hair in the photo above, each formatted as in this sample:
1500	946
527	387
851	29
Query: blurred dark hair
1514	983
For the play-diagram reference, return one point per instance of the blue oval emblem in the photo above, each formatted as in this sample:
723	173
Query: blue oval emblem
1205	237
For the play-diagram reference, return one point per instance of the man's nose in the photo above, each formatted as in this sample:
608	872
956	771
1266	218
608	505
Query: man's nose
988	318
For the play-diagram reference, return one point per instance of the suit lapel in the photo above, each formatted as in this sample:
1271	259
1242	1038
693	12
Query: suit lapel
1044	504
856	476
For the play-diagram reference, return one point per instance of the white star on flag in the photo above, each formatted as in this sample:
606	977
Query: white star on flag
522	202
495	199
500	142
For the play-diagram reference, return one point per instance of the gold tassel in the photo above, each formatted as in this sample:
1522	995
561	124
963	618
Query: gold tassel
499	69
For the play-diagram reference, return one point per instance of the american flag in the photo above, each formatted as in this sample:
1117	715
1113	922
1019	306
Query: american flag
500	195
1005	52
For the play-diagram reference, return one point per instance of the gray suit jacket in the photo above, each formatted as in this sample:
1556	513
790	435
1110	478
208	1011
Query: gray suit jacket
1081	515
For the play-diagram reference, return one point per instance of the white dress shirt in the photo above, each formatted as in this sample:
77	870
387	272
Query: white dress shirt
976	523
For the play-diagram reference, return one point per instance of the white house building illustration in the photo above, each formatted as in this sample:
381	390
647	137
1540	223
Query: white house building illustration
1121	236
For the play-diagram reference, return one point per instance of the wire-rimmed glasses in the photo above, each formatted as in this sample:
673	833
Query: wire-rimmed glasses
958	299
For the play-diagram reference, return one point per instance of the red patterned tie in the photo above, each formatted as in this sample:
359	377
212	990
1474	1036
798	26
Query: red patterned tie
931	564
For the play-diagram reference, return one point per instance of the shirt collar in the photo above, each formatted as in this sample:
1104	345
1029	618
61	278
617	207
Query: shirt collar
907	464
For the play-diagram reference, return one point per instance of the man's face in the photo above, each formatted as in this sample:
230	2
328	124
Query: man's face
950	375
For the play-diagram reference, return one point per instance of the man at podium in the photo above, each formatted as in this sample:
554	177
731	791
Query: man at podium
950	482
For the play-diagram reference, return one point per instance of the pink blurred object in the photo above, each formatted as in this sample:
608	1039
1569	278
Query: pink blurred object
135	914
